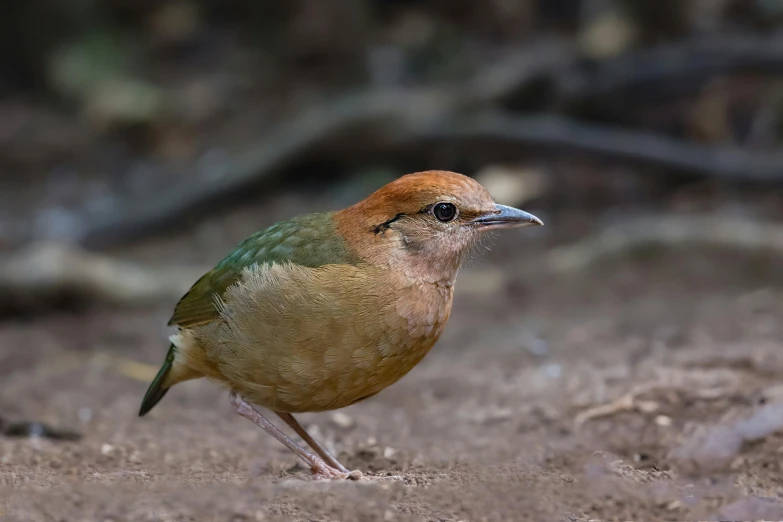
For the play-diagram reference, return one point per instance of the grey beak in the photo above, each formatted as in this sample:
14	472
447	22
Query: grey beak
506	217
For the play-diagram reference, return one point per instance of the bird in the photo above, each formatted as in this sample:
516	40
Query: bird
327	309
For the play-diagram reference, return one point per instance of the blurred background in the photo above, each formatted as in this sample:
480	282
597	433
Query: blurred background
141	140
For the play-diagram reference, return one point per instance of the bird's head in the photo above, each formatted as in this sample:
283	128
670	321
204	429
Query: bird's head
425	223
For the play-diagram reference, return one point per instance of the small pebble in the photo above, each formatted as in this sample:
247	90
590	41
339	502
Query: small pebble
85	414
537	347
552	370
106	449
647	406
674	504
342	420
36	430
389	453
135	457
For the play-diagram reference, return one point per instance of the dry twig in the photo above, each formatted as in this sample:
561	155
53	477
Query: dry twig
631	401
51	269
694	230
671	65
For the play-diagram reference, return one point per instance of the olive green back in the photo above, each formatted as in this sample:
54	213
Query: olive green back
309	240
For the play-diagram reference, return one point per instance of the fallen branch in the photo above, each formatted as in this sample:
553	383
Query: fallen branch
671	65
671	231
45	271
564	135
48	270
398	110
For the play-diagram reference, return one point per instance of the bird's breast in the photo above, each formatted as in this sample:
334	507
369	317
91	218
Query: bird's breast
298	339
417	316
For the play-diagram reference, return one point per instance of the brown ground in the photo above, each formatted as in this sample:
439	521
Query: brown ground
484	429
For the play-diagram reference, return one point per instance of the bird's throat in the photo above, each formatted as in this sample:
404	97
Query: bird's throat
404	249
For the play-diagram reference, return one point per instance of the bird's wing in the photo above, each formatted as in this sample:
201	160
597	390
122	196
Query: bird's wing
307	240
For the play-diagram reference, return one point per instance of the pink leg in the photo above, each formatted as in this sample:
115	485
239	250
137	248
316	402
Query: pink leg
294	424
320	468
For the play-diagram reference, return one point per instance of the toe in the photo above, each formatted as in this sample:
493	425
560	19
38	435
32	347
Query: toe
329	473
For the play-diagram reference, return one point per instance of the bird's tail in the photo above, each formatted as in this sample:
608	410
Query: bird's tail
157	390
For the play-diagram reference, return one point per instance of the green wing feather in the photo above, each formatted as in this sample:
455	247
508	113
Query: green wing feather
309	240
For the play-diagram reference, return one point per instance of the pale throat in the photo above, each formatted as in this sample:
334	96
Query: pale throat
424	257
430	261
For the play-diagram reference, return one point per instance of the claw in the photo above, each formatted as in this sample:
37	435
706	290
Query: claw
336	474
322	471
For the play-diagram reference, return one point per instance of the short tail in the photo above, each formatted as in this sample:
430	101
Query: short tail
157	391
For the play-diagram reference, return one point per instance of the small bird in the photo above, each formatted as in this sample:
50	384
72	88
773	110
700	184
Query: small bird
327	309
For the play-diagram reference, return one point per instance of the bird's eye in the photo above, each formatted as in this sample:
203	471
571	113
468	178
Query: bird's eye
444	212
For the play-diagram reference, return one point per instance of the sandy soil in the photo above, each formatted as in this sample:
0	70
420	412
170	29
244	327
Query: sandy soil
484	429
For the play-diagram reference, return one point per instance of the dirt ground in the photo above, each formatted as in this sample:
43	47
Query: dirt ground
491	426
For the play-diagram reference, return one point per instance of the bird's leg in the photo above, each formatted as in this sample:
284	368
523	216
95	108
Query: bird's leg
294	424
320	468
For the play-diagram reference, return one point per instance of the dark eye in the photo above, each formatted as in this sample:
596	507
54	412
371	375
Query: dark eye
444	211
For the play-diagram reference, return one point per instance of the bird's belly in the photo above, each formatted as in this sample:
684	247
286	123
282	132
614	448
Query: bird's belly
344	376
323	366
301	341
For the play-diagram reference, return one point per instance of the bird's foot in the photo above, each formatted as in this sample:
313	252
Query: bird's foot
322	471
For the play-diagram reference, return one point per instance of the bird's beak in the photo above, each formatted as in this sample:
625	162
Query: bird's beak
506	217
